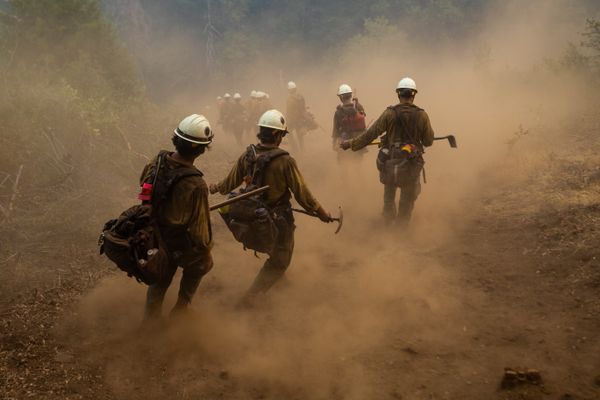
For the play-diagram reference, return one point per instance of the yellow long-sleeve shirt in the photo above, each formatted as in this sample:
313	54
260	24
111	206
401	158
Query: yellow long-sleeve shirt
387	122
186	207
282	175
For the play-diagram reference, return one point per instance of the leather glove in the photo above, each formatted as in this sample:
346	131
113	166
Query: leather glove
345	144
213	188
324	215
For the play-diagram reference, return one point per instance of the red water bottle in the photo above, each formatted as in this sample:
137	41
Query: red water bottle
146	193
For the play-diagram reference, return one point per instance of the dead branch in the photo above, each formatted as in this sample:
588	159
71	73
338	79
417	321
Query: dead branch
59	152
4	178
124	137
13	197
9	258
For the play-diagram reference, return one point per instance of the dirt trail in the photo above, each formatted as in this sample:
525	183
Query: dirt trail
440	322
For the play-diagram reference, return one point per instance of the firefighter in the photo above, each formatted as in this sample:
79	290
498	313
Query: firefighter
283	177
183	215
348	119
400	161
301	121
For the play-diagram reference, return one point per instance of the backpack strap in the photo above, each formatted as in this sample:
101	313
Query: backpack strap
161	157
406	126
168	178
257	163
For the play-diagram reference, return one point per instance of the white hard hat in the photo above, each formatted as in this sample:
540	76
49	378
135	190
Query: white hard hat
253	94
344	89
237	96
260	95
227	96
273	119
407	83
195	128
291	85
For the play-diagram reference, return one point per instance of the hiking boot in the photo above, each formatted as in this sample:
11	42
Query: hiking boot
181	308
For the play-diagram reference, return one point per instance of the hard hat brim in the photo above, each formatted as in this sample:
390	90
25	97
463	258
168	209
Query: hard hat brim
193	139
277	128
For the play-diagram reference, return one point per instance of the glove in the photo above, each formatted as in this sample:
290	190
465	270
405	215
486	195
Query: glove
213	188
345	144
324	215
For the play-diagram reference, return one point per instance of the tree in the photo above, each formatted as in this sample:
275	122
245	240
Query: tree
592	41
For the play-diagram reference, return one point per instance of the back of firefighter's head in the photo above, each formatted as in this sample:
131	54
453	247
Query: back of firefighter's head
345	93
272	127
291	85
406	89
192	136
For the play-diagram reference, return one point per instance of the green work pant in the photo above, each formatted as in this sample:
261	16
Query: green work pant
409	192
195	264
278	262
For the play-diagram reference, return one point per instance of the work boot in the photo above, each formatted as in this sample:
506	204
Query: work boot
387	220
153	310
181	308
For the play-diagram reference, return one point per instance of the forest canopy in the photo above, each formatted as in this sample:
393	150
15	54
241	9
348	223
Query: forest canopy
181	40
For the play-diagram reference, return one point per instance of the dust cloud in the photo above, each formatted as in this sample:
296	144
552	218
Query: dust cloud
326	330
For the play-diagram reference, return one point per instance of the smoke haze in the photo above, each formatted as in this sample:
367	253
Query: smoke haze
353	309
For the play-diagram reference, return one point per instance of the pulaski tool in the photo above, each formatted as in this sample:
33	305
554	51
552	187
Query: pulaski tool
239	197
451	140
339	219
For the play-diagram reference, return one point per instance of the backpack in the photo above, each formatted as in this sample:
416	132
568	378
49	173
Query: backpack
396	166
133	240
352	121
251	221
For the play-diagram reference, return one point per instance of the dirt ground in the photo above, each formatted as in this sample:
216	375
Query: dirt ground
506	278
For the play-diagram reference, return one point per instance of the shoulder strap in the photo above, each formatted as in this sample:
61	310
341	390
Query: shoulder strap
168	178
159	161
406	126
257	163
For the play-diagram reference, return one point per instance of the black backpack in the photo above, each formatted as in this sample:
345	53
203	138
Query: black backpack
133	241
252	222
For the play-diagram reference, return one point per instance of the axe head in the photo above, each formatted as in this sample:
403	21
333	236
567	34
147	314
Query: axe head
452	141
340	221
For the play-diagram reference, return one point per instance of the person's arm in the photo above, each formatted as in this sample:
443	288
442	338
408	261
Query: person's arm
427	130
336	127
144	174
302	194
289	106
295	181
379	127
235	176
199	221
360	108
301	103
